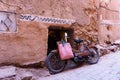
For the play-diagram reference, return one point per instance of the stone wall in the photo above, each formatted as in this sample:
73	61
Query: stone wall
86	25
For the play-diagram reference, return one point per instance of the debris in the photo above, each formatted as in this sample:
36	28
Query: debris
105	49
101	50
7	72
27	78
25	75
116	42
113	48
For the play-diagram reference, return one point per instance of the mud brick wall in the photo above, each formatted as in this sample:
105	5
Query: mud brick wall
109	21
86	25
29	44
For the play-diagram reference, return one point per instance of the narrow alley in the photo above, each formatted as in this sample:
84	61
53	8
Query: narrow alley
32	29
108	68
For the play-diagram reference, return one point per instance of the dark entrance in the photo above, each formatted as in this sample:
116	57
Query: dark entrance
57	34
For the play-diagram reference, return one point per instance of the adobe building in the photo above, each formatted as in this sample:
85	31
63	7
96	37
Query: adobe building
30	28
109	21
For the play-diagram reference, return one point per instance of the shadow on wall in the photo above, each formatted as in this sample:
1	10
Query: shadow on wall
56	34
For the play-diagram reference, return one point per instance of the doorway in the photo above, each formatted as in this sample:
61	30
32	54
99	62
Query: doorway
57	34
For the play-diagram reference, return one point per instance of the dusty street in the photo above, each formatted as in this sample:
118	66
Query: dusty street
108	68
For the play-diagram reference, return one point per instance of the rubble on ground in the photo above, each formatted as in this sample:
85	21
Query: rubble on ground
7	72
107	48
17	73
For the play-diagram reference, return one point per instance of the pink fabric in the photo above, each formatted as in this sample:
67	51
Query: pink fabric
65	51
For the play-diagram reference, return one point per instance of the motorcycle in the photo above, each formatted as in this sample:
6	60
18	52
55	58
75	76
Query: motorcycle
82	53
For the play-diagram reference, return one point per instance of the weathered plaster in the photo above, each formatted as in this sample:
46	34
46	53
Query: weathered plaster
29	44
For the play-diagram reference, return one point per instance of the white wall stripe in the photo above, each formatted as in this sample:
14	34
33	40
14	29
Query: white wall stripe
28	17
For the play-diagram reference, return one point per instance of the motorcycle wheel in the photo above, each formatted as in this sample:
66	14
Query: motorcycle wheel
54	63
93	58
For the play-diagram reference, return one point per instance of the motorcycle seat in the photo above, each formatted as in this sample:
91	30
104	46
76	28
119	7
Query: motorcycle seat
77	40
